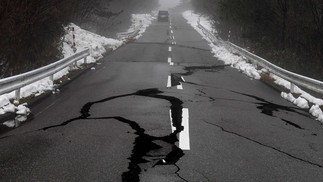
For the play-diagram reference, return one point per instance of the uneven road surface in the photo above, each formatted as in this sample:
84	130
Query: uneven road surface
163	108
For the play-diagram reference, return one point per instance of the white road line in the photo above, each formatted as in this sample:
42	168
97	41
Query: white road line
170	27
180	86
169	82
184	136
170	49
171	32
171	64
183	79
169	60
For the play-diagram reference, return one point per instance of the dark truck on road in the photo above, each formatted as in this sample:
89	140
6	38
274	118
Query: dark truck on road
163	16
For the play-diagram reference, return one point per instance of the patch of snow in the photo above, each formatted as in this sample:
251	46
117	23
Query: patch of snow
10	108
83	39
317	112
141	21
9	124
22	110
301	102
16	122
219	50
228	56
288	97
305	95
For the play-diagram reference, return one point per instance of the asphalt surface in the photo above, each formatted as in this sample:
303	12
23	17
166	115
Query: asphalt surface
120	122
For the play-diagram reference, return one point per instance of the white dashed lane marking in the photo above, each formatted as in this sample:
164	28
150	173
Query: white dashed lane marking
184	136
179	87
169	82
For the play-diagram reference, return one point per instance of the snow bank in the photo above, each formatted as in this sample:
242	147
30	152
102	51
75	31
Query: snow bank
7	107
141	20
83	39
219	50
317	112
288	97
301	102
240	62
297	90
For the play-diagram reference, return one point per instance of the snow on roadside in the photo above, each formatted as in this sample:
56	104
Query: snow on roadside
240	62
83	39
219	50
317	112
141	20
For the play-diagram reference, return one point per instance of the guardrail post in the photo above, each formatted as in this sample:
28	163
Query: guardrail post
51	77
17	97
85	60
292	87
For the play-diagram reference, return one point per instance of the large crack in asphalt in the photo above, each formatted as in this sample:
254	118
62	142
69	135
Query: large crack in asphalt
169	44
265	145
192	69
144	143
268	108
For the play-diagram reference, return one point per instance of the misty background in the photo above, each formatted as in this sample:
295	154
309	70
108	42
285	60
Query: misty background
286	32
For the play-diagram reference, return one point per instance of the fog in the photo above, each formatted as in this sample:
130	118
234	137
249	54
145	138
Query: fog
168	4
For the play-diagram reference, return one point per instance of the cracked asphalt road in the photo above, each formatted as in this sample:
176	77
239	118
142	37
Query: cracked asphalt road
113	124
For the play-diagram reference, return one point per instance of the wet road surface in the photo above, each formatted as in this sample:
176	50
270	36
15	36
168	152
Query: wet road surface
163	108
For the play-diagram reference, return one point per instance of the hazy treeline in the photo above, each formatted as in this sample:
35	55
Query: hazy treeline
31	31
287	32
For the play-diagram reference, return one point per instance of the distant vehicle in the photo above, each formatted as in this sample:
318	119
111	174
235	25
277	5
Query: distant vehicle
163	16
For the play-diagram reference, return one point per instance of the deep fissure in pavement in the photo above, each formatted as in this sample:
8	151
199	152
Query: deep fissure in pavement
269	108
176	79
191	69
169	44
144	143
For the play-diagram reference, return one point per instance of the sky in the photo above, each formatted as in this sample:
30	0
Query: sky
167	4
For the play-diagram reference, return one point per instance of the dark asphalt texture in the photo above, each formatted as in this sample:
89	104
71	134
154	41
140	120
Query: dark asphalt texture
113	123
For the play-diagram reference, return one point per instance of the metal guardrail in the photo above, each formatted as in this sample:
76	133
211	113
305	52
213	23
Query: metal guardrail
293	78
207	32
129	35
15	83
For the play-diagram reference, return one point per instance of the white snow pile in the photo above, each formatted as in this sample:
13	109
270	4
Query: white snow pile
300	101
7	107
304	98
219	50
141	21
83	39
317	112
288	97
